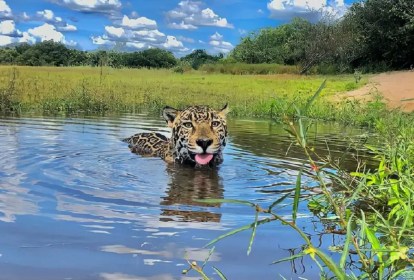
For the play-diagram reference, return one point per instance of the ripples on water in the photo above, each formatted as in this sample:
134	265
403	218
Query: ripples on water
76	204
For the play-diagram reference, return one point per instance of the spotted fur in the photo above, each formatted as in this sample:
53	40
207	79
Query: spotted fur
195	130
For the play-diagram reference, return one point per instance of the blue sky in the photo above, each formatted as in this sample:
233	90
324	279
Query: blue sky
176	25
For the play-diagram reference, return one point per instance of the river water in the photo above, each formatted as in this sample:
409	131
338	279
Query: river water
76	204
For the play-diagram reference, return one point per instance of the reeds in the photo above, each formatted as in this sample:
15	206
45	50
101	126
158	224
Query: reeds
372	209
100	90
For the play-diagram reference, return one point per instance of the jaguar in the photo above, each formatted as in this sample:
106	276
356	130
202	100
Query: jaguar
198	138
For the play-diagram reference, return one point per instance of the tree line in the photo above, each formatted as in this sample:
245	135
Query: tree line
50	53
373	35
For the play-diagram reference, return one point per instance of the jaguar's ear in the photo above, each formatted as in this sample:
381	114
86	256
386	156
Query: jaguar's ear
224	111
169	115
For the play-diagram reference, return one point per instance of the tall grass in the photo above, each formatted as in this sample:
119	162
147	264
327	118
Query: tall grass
238	68
85	89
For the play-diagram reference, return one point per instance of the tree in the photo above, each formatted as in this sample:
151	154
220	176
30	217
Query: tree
8	55
385	32
200	57
283	44
158	58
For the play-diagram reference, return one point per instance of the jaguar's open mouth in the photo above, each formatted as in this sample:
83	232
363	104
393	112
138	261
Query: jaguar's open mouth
202	159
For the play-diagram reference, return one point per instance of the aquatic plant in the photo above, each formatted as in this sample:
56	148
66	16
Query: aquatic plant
372	209
8	94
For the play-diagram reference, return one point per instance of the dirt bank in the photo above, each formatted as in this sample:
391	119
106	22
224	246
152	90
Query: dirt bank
394	86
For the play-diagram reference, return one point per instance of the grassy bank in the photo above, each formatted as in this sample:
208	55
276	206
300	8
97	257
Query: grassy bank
74	89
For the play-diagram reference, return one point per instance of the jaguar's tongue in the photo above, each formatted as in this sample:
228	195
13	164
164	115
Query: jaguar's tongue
203	159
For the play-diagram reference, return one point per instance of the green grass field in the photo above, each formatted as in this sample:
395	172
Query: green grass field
74	89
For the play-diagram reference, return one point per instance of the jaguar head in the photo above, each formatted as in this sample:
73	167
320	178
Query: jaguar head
198	134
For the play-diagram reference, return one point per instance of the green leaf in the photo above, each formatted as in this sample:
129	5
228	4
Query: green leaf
312	99
253	233
297	196
345	251
237	230
302	134
279	200
339	273
219	273
376	245
219	200
293	257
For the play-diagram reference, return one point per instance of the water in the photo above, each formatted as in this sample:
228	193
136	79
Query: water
76	204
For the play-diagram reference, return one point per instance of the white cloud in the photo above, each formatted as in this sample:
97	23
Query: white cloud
45	14
67	28
25	16
10	35
48	16
181	25
110	7
185	39
150	35
135	45
112	31
138	23
172	43
189	15
7	27
47	32
137	33
101	40
216	36
218	44
26	38
5	11
309	9
6	40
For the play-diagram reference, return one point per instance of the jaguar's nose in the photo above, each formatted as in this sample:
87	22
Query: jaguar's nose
204	143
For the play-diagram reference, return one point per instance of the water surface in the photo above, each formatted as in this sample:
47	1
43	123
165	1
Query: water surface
76	204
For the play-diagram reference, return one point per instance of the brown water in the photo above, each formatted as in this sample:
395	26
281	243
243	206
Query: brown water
76	204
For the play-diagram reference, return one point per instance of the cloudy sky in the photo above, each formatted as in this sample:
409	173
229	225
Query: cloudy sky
176	25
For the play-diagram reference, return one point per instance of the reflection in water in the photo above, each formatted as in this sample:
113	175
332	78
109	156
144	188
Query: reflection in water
330	141
76	204
14	199
186	185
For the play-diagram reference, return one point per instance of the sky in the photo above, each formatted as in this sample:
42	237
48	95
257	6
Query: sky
179	26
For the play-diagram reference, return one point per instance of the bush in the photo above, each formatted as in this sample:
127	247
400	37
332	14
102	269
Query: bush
240	68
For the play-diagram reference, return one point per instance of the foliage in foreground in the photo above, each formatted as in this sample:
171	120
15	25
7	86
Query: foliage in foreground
372	209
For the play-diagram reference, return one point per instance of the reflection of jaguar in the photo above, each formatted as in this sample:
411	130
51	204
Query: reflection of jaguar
186	186
198	137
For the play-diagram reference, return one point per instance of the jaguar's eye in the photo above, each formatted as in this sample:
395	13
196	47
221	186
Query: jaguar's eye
188	124
215	123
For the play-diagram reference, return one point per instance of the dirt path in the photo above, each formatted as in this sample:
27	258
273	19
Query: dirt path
394	86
